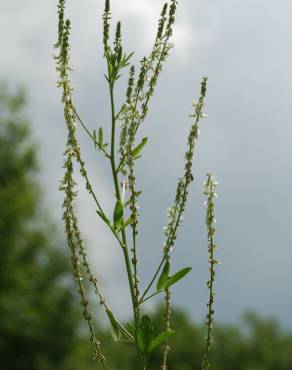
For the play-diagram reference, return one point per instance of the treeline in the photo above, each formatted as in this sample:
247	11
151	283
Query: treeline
258	344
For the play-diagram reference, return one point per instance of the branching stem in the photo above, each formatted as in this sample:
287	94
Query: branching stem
90	135
118	197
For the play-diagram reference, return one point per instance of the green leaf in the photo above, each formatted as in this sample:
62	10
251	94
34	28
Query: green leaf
145	334
116	332
128	202
102	216
137	150
94	137
126	58
163	277
130	328
113	59
118	214
125	224
161	338
100	137
176	277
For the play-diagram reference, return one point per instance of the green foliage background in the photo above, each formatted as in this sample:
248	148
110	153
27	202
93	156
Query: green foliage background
40	317
37	303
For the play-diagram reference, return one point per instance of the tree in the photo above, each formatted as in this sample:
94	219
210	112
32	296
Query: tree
37	307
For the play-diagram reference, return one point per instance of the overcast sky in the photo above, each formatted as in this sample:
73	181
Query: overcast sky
244	47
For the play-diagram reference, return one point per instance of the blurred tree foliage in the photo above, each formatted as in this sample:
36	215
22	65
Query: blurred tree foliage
37	306
40	317
258	344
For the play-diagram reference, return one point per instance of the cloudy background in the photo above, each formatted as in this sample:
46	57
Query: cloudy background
245	50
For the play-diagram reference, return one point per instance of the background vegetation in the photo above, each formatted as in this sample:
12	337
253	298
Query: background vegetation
40	321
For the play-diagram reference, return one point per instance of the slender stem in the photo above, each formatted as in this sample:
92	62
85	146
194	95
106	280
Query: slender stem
210	305
120	164
153	279
147	298
92	277
154	74
118	197
118	114
135	130
210	187
90	135
167	246
159	266
84	173
134	216
85	304
174	231
90	190
146	103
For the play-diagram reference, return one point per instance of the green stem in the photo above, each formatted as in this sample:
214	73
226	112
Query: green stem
121	164
149	297
167	247
210	303
159	266
90	135
153	279
174	231
118	197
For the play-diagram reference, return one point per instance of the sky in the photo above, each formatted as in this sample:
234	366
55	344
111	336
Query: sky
244	49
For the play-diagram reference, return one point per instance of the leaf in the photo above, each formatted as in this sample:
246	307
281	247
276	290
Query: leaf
100	137
176	277
128	202
145	334
118	214
125	224
116	332
94	137
137	150
130	328
126	58
161	338
163	277
102	216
